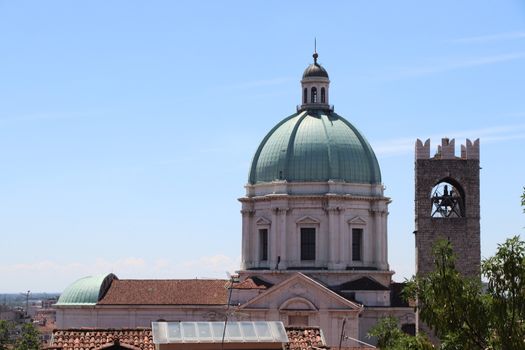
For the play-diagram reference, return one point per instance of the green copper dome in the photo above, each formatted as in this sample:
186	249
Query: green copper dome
315	146
87	290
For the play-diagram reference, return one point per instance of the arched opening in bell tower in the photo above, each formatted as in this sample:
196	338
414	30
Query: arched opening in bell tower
448	199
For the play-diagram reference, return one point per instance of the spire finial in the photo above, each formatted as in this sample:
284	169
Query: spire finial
315	55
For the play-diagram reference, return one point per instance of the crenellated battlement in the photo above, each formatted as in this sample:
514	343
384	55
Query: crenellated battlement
470	150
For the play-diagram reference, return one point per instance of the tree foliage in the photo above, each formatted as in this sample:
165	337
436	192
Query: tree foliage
391	337
458	310
505	272
523	199
461	314
5	330
453	306
29	338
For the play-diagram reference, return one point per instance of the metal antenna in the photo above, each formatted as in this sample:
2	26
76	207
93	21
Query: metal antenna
27	301
342	333
315	55
227	309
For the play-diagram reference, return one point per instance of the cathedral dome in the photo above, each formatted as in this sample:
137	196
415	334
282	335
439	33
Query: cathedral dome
315	146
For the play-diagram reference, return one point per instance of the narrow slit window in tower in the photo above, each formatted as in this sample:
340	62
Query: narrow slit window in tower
323	95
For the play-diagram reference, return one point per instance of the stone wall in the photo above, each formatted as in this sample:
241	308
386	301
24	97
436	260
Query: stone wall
463	232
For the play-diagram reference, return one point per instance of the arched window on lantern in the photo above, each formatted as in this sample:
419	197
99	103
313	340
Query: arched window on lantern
305	95
314	95
323	95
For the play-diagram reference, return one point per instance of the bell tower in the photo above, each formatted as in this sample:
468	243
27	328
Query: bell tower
447	204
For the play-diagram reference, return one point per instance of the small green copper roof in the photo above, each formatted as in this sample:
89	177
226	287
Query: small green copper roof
87	290
315	146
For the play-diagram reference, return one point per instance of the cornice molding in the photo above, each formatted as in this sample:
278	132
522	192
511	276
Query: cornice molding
346	197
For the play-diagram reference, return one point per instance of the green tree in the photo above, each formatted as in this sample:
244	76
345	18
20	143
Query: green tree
453	306
460	313
387	332
29	338
505	272
390	337
465	317
523	199
5	329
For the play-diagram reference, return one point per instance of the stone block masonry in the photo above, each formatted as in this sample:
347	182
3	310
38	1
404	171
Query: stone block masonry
463	231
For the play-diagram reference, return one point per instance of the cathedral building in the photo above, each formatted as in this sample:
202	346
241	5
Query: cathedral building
314	241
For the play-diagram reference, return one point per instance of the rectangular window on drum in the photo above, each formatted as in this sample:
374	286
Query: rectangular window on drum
263	244
357	243
307	243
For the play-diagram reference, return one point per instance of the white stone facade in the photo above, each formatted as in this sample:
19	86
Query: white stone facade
333	209
283	209
133	316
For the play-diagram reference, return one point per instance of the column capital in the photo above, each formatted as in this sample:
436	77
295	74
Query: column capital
333	209
247	212
380	212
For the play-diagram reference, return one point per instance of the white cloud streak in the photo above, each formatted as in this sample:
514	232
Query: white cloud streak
442	67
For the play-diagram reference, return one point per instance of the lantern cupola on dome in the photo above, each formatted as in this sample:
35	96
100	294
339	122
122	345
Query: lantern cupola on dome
315	84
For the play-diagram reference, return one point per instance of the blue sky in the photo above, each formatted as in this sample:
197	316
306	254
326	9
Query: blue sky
127	127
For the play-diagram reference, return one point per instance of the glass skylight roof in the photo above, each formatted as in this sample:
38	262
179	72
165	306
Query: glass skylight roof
211	332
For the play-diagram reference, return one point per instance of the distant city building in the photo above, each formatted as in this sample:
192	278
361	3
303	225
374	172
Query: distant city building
10	314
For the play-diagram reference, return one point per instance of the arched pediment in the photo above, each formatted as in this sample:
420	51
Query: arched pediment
298	304
357	220
308	220
263	221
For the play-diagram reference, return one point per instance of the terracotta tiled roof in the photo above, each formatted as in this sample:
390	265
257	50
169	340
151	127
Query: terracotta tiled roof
304	338
90	339
252	283
301	338
166	292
